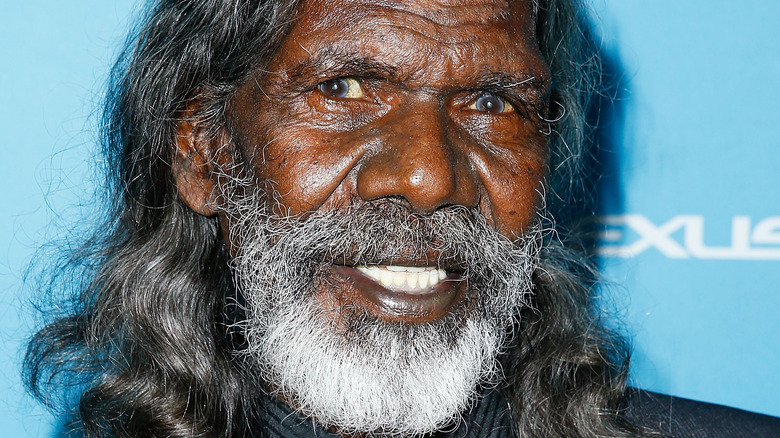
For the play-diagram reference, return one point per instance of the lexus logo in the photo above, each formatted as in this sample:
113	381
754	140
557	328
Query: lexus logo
749	241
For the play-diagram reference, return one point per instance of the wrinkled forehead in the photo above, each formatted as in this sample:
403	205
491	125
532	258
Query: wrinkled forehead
432	42
428	17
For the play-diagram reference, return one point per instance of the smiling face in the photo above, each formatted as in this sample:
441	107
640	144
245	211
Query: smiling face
428	104
396	154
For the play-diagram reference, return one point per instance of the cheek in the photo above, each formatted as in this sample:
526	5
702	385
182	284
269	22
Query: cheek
511	161
302	155
516	206
308	168
513	189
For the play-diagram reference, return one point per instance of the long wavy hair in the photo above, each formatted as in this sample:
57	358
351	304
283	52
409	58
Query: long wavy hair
139	343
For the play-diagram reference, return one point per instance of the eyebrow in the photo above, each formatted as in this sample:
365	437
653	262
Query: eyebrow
334	62
510	82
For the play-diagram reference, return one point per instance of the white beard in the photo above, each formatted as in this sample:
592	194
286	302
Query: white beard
383	383
368	376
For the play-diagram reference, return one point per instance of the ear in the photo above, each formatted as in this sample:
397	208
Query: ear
193	162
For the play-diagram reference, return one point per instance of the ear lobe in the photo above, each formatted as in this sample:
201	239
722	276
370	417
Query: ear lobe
192	163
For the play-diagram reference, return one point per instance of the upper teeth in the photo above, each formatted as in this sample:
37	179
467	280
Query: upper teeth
409	279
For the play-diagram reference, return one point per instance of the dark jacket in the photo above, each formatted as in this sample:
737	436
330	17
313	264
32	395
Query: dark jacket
672	416
683	418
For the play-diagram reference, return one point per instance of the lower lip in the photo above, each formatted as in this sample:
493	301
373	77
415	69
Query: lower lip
399	306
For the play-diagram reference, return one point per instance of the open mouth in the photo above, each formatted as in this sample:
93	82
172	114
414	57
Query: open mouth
399	293
415	280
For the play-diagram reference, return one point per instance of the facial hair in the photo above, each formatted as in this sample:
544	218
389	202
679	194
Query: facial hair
363	375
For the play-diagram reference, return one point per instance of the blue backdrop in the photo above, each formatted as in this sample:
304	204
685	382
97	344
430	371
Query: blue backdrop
691	210
696	224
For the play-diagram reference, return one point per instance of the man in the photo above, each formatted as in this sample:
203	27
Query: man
337	218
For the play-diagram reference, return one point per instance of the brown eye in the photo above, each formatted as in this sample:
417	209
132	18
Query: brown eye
341	88
491	103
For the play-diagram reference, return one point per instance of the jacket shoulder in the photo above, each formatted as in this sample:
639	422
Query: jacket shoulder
682	418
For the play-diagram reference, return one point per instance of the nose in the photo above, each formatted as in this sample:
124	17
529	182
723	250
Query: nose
418	159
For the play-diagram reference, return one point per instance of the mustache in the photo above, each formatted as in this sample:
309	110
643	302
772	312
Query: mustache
384	232
295	251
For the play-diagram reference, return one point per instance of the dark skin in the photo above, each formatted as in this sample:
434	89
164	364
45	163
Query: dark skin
428	103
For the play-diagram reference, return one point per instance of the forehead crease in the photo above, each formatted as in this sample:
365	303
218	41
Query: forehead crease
457	26
448	12
410	34
413	63
437	19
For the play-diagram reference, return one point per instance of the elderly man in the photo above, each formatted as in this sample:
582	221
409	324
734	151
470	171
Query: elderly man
336	218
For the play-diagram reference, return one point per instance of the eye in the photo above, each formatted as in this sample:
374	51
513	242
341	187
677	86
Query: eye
491	103
341	88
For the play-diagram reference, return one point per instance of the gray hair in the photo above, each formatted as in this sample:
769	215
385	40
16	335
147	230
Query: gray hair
152	262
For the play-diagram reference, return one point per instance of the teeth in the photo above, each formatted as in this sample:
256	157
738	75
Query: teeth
399	279
409	279
422	279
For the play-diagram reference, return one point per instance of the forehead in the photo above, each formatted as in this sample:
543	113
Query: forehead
414	34
423	15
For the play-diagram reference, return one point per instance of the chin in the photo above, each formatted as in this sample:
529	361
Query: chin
374	377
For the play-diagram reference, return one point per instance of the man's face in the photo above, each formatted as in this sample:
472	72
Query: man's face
380	205
424	103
